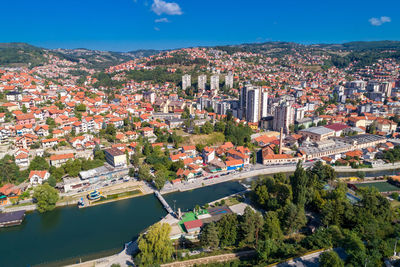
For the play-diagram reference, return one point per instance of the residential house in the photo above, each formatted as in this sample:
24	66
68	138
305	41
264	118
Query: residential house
60	159
38	177
22	157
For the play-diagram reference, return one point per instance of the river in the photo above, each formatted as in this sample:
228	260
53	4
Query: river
68	234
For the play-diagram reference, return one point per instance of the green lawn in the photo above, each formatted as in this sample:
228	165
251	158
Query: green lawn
381	186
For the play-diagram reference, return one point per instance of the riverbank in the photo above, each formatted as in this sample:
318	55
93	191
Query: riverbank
73	199
256	170
265	170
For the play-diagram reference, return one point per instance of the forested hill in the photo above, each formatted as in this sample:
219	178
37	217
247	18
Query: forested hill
26	55
21	54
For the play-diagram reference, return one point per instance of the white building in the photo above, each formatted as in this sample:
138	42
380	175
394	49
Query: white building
229	80
214	83
201	83
38	177
264	104
186	81
283	117
253	105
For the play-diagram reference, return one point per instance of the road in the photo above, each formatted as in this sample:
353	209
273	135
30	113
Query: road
309	260
248	171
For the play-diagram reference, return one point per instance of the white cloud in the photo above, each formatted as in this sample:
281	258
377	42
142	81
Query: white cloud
379	21
161	7
161	20
156	29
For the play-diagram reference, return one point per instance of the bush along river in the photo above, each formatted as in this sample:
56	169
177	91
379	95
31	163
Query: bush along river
68	235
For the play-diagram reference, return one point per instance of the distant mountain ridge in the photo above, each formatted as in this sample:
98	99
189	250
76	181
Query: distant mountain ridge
23	54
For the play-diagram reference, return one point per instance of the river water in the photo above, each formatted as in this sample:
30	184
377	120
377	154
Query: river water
69	234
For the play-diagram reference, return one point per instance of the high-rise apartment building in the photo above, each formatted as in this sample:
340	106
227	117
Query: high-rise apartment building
253	105
186	81
283	117
201	83
253	99
229	80
264	104
214	83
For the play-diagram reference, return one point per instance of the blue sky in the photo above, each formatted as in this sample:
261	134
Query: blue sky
124	25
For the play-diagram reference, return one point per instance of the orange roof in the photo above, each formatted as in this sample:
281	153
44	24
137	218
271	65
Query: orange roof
355	153
233	162
278	156
41	174
62	156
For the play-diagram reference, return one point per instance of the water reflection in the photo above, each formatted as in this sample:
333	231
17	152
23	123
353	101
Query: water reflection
50	220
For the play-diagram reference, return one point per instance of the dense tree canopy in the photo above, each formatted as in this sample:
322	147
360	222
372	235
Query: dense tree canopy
46	197
155	247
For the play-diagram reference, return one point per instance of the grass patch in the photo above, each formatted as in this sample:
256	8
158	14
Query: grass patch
381	186
395	204
207	139
232	201
119	195
19	205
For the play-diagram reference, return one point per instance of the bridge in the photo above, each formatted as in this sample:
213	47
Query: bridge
164	202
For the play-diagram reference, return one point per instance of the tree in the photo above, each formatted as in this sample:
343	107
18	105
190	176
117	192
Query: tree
324	173
73	167
155	247
299	185
159	179
293	218
52	181
265	248
330	259
227	230
283	194
200	147
135	160
219	126
250	226
38	164
355	250
207	128
196	130
50	122
144	173
272	226
80	108
110	132
209	236
99	154
9	171
46	197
